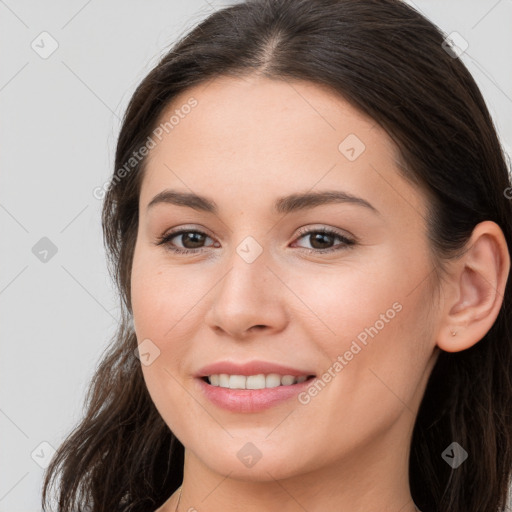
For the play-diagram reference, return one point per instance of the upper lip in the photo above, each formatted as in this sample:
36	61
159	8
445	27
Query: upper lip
249	368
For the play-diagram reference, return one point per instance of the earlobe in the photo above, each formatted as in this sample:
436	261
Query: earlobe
477	284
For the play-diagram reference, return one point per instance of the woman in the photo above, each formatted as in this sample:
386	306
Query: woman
369	369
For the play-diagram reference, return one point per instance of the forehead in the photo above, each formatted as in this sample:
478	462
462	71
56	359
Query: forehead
249	139
265	116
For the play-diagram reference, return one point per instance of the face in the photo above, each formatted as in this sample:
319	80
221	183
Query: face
337	288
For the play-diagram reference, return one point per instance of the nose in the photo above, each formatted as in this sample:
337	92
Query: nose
248	299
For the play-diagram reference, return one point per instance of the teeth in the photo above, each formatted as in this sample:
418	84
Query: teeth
260	381
288	380
237	382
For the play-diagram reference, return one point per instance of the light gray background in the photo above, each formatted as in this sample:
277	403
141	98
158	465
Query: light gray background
60	117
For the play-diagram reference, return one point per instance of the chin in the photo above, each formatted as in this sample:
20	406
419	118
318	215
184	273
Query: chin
259	460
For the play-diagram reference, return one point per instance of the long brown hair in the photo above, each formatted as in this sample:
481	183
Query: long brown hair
389	62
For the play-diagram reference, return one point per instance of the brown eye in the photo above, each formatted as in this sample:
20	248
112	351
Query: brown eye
321	240
194	238
191	240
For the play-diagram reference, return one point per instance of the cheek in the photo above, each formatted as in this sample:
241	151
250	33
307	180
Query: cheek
155	293
373	363
375	318
147	296
342	302
162	314
167	299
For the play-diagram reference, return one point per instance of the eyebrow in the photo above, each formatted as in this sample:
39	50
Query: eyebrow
286	204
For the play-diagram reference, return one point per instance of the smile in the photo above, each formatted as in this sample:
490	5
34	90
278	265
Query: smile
251	400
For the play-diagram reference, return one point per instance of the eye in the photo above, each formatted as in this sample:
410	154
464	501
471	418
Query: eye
325	236
192	240
187	237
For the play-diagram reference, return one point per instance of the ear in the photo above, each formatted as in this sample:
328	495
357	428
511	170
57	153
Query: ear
474	289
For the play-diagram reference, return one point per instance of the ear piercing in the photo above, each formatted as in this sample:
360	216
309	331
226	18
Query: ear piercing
453	333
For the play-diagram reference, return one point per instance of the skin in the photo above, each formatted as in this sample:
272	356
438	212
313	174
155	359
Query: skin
246	143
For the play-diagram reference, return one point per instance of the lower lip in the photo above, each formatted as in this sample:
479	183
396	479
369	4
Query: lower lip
251	400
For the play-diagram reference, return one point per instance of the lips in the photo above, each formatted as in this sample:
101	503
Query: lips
251	400
251	368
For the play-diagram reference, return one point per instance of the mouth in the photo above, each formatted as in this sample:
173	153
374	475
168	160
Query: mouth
252	386
248	394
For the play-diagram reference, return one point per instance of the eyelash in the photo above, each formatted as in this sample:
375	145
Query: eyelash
347	242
